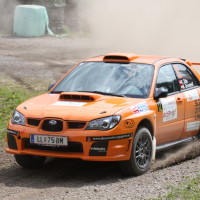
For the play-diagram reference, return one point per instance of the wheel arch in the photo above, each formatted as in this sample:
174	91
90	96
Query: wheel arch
147	124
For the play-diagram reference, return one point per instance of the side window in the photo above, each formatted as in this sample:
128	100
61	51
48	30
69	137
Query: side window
167	78
185	77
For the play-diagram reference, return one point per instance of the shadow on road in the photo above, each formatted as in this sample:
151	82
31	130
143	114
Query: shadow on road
78	173
62	172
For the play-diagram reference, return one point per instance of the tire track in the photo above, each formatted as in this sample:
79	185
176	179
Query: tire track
19	80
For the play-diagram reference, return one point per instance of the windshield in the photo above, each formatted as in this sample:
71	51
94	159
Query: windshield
131	80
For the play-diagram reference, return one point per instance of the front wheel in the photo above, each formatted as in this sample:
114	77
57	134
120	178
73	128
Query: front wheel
30	161
141	155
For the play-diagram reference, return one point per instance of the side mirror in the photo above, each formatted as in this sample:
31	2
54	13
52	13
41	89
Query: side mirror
51	86
161	93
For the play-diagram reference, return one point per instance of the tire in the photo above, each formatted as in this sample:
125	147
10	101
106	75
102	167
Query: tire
29	161
141	155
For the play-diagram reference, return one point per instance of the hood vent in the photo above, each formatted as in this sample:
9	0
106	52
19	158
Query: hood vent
76	97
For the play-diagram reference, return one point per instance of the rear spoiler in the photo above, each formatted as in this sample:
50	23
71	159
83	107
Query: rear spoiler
195	63
191	64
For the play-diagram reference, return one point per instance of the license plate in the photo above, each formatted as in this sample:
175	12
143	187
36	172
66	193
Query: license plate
48	140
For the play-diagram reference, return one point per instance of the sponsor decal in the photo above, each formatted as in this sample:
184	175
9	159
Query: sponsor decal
197	109
107	138
140	108
192	126
184	84
99	149
129	123
169	108
12	132
185	81
181	84
187	84
69	103
191	95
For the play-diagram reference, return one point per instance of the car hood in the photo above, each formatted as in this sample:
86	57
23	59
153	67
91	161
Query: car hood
76	106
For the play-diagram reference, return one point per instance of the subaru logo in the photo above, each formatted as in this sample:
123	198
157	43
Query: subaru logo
52	122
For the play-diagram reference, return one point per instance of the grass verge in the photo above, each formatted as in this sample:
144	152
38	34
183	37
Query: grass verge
9	99
189	189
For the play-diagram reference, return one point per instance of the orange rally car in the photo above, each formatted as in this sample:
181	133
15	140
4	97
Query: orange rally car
118	107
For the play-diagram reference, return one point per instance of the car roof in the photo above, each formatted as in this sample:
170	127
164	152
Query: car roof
131	57
157	61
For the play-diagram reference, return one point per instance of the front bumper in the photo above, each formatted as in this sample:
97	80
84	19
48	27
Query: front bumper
112	145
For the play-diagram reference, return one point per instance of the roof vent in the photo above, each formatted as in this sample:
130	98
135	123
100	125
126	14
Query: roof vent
119	57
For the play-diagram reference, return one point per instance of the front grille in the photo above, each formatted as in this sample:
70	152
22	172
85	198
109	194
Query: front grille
33	122
52	127
46	126
76	125
75	147
11	142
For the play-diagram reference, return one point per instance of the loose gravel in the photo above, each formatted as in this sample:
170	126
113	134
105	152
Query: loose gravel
28	62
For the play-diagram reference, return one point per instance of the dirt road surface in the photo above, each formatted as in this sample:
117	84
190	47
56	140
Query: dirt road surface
35	63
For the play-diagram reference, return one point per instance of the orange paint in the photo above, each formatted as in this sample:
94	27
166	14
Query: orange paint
172	118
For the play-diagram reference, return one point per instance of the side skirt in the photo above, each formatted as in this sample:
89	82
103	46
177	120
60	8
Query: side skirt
167	145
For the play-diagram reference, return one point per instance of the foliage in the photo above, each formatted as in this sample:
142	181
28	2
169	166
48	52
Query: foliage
9	100
189	189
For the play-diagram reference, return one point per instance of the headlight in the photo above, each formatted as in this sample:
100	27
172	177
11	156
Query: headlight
18	118
103	124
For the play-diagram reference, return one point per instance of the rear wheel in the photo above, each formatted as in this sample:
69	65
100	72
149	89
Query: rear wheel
30	161
141	155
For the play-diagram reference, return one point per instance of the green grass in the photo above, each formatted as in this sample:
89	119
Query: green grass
187	190
9	100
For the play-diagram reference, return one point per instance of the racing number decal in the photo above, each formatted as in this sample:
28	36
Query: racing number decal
159	104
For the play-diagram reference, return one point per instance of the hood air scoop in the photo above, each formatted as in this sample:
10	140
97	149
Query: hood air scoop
78	96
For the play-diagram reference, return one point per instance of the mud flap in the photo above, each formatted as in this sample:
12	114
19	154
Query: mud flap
153	150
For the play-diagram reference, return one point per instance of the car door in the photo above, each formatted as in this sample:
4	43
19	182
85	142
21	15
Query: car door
170	113
190	88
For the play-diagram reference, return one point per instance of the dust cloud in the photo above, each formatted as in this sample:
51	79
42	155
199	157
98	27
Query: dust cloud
169	28
176	155
7	8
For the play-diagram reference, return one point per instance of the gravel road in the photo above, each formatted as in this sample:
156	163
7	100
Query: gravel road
35	63
75	179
